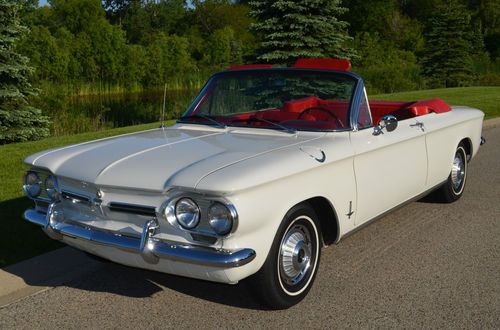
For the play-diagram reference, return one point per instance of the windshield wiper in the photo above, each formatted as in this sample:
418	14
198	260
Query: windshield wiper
186	119
282	127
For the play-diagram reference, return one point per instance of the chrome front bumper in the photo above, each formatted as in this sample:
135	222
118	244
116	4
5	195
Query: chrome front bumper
150	248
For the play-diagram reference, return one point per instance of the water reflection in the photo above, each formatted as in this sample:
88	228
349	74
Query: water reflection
118	110
78	114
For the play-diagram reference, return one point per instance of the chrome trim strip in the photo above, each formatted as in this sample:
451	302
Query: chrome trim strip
132	208
75	198
150	248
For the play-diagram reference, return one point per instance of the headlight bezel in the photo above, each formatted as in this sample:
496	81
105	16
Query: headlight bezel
27	186
167	212
53	193
213	221
196	211
46	193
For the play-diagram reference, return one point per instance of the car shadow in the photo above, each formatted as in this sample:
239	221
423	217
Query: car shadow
20	240
140	283
434	197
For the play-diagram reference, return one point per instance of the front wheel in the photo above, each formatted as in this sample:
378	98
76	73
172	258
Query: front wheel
454	186
290	268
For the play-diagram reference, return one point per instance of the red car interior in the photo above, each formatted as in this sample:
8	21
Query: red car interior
313	112
405	110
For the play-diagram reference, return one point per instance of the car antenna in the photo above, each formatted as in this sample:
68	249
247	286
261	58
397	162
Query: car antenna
162	125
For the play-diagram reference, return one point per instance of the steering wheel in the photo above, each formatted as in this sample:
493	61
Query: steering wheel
328	112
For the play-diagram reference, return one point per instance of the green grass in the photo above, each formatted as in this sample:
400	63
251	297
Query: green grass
19	239
486	99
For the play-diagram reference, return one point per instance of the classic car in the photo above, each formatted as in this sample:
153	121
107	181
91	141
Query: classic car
267	165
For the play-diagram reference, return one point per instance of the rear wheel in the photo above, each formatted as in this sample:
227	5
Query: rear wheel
453	188
290	268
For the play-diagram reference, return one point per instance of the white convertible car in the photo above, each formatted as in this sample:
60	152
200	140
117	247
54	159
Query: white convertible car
265	167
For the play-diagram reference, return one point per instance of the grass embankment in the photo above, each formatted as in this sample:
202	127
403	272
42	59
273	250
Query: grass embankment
486	99
20	240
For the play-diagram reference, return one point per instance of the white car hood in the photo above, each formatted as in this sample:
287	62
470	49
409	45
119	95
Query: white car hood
162	158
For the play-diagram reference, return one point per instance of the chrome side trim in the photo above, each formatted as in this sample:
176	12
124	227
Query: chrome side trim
149	247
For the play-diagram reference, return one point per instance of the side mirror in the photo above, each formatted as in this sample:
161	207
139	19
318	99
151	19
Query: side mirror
389	122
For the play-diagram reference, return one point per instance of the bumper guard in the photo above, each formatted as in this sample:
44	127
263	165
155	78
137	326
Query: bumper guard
150	248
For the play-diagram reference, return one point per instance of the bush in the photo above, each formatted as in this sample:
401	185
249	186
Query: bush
385	68
23	125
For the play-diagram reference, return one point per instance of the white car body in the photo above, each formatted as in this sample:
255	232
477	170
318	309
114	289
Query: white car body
353	175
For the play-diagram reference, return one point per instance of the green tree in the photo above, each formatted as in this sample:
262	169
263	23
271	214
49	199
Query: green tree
223	48
384	67
291	30
447	61
18	120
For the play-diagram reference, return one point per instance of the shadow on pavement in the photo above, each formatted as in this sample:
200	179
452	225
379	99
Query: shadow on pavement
139	283
20	240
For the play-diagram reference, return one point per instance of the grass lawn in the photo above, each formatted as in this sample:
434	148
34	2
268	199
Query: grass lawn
20	240
486	99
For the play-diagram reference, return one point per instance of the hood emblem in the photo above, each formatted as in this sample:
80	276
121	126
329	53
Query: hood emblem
98	198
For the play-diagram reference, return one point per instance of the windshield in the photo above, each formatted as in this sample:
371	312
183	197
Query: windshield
286	100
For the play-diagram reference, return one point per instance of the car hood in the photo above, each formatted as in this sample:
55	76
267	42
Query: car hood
162	158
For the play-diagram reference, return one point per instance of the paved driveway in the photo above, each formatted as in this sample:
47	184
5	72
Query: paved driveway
425	265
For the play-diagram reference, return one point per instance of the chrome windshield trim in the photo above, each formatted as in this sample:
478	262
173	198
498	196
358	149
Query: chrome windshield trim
359	93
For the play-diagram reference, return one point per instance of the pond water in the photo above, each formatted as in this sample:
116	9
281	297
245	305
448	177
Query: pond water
76	114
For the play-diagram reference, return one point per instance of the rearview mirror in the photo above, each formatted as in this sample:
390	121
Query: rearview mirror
389	122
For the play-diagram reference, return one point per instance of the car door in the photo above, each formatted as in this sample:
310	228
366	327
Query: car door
390	168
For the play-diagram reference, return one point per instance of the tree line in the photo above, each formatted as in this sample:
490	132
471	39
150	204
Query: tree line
395	44
86	46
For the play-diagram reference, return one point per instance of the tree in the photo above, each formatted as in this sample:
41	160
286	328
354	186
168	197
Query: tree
18	120
447	61
291	30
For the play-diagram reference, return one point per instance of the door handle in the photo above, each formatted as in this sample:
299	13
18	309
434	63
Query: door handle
419	125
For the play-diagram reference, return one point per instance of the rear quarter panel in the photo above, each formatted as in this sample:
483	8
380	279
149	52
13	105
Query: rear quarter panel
444	133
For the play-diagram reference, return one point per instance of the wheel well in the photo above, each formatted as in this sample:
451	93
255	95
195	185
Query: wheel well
327	217
468	147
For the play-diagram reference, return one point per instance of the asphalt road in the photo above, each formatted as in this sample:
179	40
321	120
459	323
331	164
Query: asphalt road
426	265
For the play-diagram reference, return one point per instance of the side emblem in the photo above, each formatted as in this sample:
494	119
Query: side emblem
323	157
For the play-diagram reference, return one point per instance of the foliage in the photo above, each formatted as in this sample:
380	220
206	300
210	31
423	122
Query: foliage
447	60
290	30
384	67
82	47
18	121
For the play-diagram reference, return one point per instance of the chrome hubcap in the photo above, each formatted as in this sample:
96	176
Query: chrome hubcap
295	255
457	172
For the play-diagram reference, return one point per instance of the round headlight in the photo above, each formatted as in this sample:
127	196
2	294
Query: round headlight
31	185
220	218
51	187
187	213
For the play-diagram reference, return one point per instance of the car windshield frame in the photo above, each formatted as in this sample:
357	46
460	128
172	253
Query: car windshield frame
353	103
